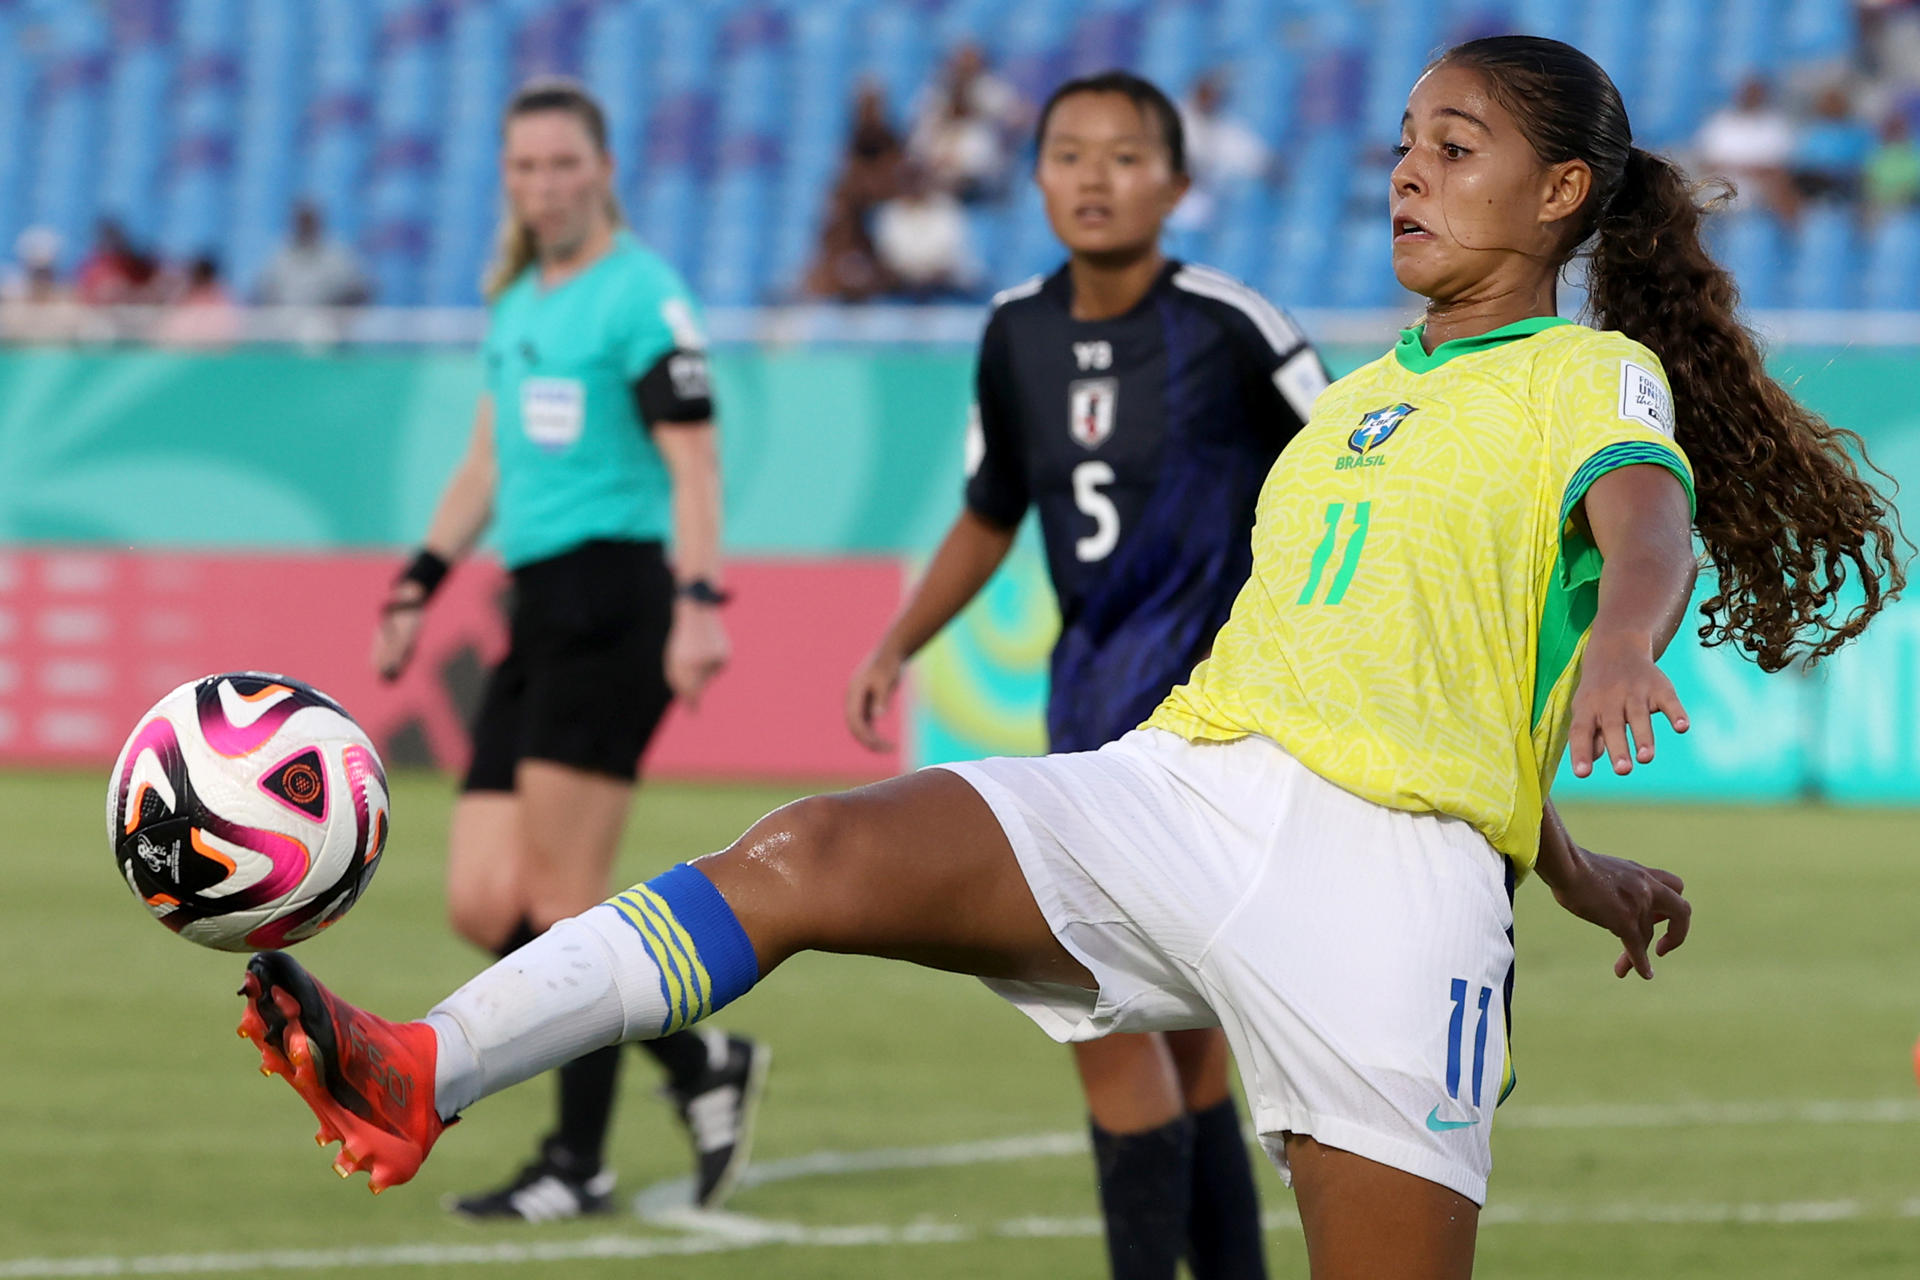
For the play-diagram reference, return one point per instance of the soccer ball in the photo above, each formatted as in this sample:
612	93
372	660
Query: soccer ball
247	811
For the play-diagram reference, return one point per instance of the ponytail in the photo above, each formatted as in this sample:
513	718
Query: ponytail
1783	509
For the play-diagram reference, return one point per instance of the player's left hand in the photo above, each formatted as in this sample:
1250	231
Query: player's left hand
1620	688
1628	901
697	649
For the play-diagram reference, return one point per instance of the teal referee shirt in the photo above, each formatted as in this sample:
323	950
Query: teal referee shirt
578	373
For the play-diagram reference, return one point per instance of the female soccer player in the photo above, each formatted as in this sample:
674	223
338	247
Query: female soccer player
1138	402
592	442
1467	561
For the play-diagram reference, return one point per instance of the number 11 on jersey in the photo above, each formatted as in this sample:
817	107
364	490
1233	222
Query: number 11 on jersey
1356	541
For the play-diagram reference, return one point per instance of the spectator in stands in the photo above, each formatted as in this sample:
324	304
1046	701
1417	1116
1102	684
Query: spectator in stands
35	307
870	172
845	266
1832	150
202	313
965	126
312	270
113	273
1751	142
1221	151
922	239
1892	178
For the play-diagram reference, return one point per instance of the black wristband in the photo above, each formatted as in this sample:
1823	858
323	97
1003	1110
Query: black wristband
427	570
701	591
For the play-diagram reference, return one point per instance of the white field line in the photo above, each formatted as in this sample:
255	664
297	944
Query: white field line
707	1233
733	1233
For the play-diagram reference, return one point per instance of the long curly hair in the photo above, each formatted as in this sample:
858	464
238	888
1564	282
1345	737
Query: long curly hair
1783	508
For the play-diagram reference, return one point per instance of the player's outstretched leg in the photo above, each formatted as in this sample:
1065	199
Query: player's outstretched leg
916	868
369	1081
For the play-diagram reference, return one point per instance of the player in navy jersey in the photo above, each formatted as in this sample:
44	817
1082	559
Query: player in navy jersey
1137	403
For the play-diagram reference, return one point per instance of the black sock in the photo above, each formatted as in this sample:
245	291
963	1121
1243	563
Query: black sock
683	1054
587	1087
1146	1186
1224	1238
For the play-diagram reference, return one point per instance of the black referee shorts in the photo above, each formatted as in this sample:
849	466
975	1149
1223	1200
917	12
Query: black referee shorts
583	682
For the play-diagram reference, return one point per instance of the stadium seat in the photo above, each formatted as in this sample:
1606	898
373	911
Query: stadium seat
1752	245
1363	264
16	89
200	122
1892	269
1825	274
63	194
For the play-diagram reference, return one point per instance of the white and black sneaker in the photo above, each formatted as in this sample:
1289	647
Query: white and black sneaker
718	1108
551	1189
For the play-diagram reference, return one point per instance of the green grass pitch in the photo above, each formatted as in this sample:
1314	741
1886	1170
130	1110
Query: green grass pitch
1677	1128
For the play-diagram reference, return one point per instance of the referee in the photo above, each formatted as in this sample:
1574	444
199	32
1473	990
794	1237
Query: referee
1137	403
592	443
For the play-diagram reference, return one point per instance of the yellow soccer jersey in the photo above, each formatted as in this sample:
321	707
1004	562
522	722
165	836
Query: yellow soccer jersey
1421	588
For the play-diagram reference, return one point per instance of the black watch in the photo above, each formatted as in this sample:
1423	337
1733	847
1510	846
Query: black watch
701	591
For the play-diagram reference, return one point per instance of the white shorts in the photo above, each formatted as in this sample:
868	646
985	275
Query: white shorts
1359	958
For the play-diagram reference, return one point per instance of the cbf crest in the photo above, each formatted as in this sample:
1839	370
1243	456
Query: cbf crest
1090	407
1377	428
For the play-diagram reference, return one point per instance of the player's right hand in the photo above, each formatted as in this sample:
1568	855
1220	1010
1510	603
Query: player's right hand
869	694
398	631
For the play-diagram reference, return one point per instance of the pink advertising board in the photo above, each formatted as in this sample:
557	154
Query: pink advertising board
89	639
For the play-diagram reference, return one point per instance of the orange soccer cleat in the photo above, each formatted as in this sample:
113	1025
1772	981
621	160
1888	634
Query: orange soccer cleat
368	1080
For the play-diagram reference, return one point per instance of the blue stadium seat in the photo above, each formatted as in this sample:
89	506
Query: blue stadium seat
465	200
1752	245
201	121
1363	264
1820	30
339	113
1826	268
17	76
732	271
1243	221
1297	274
197	168
274	74
1174	45
138	97
63	193
1614	34
1675	97
1893	263
1746	42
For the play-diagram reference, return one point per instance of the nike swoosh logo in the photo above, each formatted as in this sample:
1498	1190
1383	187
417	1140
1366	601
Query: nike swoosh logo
1437	1125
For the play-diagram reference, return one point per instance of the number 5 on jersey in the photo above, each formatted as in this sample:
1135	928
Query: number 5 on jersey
1098	545
1350	561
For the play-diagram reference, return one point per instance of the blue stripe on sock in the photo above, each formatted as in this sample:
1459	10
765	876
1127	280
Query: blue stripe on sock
717	936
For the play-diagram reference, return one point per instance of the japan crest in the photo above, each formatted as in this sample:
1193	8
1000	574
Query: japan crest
1090	404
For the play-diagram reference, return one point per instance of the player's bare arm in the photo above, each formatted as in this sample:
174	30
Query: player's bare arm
1623	897
973	548
1639	519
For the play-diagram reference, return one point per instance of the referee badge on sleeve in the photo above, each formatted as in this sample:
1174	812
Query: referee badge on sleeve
1090	405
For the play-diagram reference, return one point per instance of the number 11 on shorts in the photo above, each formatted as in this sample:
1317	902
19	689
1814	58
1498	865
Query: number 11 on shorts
1456	1029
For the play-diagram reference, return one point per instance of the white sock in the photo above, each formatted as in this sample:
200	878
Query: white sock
585	983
